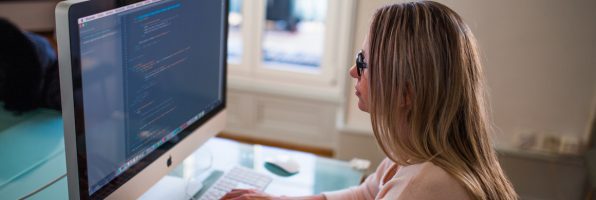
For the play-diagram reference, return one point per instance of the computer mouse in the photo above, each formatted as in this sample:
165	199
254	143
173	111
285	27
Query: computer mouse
283	166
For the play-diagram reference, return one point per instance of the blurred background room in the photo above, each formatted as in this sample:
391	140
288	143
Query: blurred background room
288	84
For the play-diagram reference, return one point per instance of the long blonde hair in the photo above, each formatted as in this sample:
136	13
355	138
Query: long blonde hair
424	56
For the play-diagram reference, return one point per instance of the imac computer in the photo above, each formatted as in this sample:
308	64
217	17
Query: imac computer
143	85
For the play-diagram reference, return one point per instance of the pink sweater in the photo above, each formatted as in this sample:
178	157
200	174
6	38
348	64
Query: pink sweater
390	181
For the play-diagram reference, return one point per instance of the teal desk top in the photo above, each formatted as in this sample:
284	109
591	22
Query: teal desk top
32	154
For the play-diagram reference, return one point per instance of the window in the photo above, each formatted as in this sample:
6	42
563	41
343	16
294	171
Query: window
294	33
299	42
235	32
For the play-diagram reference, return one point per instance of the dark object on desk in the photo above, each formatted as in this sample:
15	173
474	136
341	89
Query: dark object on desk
28	70
283	169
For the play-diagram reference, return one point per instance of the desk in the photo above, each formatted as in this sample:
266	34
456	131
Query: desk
41	131
31	153
316	175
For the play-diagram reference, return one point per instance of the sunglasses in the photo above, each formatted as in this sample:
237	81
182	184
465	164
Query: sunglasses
360	64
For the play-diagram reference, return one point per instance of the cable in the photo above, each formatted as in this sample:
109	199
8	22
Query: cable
43	187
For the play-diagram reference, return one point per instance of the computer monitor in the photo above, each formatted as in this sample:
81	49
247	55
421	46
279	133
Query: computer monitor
143	86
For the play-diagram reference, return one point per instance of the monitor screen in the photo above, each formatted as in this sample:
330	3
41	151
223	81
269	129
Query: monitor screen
150	72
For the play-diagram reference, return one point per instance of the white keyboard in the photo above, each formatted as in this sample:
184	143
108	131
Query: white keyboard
237	178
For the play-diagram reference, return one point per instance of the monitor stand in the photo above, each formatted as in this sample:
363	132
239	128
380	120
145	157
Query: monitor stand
174	188
182	183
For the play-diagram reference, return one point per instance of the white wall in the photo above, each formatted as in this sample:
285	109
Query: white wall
539	58
30	15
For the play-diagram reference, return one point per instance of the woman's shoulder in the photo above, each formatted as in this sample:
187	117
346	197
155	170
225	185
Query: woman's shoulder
433	182
433	174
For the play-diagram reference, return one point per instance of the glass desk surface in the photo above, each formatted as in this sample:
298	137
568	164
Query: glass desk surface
30	170
317	174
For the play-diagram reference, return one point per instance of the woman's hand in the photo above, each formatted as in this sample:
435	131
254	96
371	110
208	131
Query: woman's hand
243	194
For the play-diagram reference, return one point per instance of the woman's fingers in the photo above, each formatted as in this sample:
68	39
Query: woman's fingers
235	193
256	196
243	194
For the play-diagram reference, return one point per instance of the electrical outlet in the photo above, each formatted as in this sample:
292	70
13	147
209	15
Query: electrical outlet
550	143
527	140
570	145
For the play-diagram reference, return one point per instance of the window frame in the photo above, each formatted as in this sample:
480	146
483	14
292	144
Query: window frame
253	74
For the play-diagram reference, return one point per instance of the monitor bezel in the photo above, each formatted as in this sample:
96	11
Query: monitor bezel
87	8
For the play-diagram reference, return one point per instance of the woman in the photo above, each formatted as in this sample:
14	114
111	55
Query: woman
419	77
